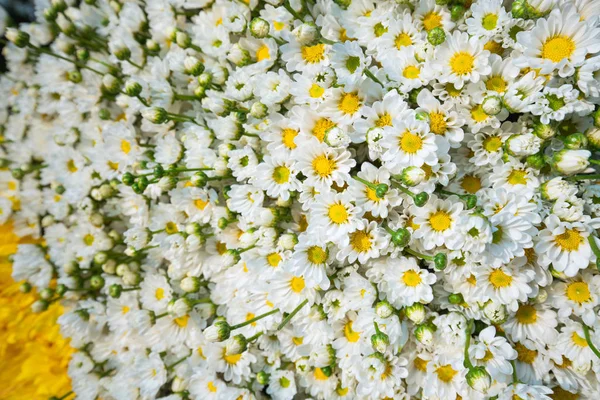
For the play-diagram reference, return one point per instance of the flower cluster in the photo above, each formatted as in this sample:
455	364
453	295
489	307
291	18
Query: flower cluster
326	199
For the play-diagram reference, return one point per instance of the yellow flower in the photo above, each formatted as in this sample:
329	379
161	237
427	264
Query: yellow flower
33	354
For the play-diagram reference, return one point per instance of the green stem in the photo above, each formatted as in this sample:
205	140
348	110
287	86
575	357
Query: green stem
582	177
289	8
365	182
588	339
184	97
597	162
514	373
418	255
291	315
467	362
169	367
64	396
372	76
250	321
253	338
403	189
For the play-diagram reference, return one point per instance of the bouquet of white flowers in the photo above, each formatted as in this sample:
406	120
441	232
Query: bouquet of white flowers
324	199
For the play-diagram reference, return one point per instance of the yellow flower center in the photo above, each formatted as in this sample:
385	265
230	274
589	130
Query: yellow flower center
471	184
360	241
558	47
410	143
342	391
159	294
570	240
496	84
274	259
494	47
298	340
462	62
350	334
384	120
578	340
349	103
524	354
500	279
489	22
71	166
171	228
420	364
578	292
488	356
517	177
316	255
200	204
402	40
446	373
478	114
263	53
316	91
526	314
281	174
125	146
437	123
278	25
372	195
125	310
313	54
411	72
472	280
287	137
233	359
492	144
88	239
440	221
452	90
211	387
297	284
320	375
432	20
323	166
182	321
411	278
338	214
321	127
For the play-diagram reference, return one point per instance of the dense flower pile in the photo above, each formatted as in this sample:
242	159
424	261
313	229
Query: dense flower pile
326	199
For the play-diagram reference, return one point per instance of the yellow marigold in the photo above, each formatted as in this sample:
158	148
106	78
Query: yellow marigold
33	354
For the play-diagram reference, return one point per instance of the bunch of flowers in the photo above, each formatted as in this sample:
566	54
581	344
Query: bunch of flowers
326	199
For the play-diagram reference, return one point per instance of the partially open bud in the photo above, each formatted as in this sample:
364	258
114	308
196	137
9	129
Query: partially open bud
218	331
412	176
384	309
190	284
259	28
415	312
495	312
19	38
258	110
479	379
492	105
156	115
380	341
236	345
307	34
193	66
570	162
424	333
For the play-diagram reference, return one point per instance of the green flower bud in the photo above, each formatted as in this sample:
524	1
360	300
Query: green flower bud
128	178
492	105
236	345
96	282
421	199
122	54
424	333
61	289
259	28
543	131
412	176
380	341
115	290
381	190
262	377
415	312
199	179
19	38
457	12
258	110
536	161
456	298
471	201
156	115
593	137
39	306
25	287
495	312
436	36
74	76
193	66
133	88
104	114
218	331
440	260
384	309
205	79
401	237
479	379
575	141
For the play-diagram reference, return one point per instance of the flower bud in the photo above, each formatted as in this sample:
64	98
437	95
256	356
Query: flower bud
133	88
179	308
307	34
193	66
593	137
238	55
218	331
492	105
183	39
47	221
167	183
205	79
115	290
336	137
576	141
288	241
570	162
190	284
111	84
401	237
424	333
259	28
19	38
122	53
523	145
96	282
421	199
152	46
412	176
156	115
25	287
456	298
131	278
384	309
236	345
39	306
258	110
479	379
495	312
415	312
262	377
380	341
436	36
178	385
543	131
556	188
46	294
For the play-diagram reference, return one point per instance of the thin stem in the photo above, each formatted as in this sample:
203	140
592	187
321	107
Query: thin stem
419	255
467	362
597	162
291	315
365	182
254	337
250	321
289	8
64	396
403	189
169	367
595	249
514	373
582	177
588	339
372	76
